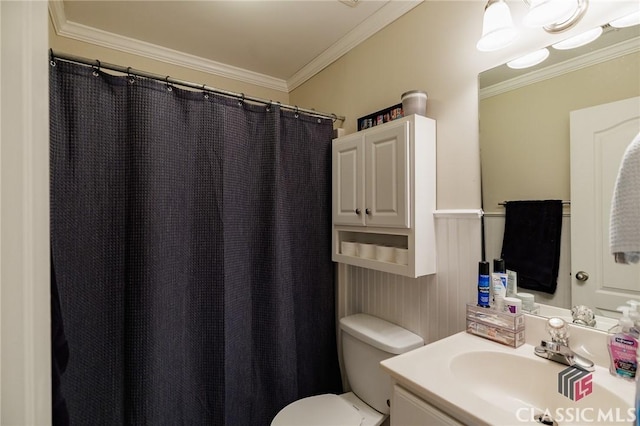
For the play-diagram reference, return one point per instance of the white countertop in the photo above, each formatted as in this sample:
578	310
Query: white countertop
428	373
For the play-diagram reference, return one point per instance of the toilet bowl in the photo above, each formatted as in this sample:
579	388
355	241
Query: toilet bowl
329	409
366	340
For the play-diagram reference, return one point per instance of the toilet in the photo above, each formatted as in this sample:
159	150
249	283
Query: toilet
366	340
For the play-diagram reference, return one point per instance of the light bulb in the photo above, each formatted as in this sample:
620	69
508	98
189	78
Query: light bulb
546	12
626	21
497	27
529	60
579	40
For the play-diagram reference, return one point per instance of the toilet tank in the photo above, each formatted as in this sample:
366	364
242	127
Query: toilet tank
367	340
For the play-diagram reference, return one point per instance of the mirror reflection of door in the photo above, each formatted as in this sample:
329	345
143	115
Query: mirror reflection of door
599	137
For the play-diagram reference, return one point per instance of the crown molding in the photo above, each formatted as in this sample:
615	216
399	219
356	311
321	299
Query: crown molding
383	17
73	30
615	51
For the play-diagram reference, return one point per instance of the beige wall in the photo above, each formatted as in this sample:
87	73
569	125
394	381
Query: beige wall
525	132
92	51
412	53
432	48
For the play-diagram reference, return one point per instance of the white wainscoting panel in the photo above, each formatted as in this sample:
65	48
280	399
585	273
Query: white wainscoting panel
432	306
493	233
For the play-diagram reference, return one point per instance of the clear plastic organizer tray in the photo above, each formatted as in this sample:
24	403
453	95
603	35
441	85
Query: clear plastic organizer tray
489	316
497	334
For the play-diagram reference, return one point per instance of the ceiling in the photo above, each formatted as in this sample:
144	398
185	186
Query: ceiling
273	43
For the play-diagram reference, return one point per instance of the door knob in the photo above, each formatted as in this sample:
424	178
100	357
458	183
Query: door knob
367	211
358	212
582	276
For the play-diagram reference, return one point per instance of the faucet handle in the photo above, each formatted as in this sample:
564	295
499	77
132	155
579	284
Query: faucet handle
557	328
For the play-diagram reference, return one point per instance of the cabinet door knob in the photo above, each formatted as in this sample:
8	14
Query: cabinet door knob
367	211
358	212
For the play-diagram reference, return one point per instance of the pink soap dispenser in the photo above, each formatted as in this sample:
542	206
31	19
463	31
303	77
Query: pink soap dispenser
623	347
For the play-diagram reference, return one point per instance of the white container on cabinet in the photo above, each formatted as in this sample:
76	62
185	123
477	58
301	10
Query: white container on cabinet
384	189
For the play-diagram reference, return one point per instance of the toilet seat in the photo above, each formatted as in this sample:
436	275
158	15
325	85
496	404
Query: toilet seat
319	410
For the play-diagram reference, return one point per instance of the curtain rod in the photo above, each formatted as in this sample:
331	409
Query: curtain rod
167	79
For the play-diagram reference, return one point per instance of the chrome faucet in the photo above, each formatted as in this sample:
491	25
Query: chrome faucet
558	349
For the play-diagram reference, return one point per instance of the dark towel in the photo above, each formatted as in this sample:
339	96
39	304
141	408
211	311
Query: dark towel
531	244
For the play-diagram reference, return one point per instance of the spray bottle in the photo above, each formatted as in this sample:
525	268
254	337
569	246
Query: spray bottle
483	284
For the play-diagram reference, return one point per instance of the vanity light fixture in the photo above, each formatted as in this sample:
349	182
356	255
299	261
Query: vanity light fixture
554	16
497	27
626	21
545	12
578	40
529	60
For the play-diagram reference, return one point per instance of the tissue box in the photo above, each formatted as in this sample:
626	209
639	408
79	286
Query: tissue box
501	327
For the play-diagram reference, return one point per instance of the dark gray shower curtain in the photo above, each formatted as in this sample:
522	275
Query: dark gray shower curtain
191	241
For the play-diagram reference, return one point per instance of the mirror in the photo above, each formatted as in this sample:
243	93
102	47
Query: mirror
524	133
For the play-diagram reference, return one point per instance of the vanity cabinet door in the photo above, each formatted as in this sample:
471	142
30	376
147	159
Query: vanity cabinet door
348	181
407	410
387	176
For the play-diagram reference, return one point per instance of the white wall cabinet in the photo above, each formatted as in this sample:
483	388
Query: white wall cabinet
371	178
383	184
407	409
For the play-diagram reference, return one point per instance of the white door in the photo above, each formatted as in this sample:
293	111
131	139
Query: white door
599	137
387	176
348	181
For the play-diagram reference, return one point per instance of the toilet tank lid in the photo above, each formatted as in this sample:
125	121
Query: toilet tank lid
381	334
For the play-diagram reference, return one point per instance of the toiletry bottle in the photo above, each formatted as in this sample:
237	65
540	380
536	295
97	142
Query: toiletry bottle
634	314
623	348
499	284
484	286
637	422
512	283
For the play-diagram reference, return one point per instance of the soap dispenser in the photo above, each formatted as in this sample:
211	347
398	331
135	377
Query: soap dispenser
634	314
623	347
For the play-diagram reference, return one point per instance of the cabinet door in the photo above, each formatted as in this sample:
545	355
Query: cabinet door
407	409
387	177
348	181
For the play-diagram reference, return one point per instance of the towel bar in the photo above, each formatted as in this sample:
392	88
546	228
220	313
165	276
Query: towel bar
565	203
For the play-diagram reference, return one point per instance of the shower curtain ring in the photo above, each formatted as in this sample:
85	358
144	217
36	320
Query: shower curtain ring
204	90
241	101
269	105
52	61
297	113
131	78
96	69
169	87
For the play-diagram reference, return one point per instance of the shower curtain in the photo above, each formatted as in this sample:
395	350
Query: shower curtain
190	234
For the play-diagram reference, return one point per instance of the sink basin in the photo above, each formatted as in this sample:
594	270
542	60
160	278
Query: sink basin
480	382
529	386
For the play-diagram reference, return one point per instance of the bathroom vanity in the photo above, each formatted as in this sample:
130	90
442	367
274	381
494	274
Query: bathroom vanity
383	197
464	379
